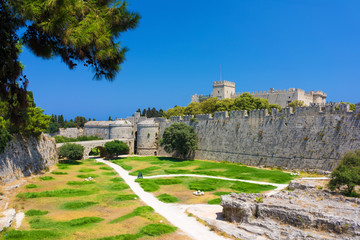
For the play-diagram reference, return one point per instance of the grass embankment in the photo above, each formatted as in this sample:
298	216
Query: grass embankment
165	165
69	207
182	188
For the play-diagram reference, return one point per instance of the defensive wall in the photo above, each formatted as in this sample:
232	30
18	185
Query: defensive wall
313	137
25	156
69	132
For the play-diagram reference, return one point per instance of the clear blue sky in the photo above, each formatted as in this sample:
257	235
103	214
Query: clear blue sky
178	47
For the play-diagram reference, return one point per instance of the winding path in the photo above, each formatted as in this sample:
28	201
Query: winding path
171	212
174	213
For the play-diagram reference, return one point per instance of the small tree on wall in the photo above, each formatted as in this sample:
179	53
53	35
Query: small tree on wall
116	147
179	138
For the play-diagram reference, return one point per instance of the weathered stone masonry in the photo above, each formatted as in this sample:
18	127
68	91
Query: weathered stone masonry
312	138
25	156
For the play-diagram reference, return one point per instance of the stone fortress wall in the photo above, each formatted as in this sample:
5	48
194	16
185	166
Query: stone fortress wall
313	137
226	89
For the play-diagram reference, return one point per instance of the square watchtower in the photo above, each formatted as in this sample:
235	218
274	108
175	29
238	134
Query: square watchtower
223	89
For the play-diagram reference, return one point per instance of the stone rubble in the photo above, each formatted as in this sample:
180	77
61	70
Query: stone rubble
303	212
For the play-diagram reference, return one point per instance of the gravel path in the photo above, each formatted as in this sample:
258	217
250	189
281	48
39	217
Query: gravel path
174	214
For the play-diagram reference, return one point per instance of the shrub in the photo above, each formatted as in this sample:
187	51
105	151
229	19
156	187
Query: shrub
116	147
29	186
179	138
71	151
157	229
347	173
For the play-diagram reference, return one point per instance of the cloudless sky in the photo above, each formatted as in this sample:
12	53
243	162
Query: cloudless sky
178	47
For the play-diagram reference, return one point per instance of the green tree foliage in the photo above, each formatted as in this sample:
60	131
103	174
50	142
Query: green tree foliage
80	121
245	101
347	173
193	109
351	106
271	106
153	112
5	136
296	103
78	31
116	147
71	151
224	105
36	122
176	111
179	138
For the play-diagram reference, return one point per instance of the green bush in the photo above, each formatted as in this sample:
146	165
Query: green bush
347	173
179	138
29	186
71	151
5	136
157	229
35	212
116	147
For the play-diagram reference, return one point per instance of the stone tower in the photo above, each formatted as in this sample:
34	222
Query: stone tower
223	89
147	137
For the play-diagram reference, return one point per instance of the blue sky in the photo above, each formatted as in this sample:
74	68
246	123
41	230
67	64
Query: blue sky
178	47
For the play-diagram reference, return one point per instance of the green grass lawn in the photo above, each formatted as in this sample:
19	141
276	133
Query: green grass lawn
165	165
180	189
68	207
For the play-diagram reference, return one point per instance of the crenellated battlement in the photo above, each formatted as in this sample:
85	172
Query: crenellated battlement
223	83
313	110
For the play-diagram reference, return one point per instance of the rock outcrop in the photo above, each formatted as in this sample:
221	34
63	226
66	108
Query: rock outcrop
296	214
25	156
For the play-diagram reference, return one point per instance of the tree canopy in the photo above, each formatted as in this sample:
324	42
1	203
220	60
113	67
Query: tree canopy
245	101
77	31
347	173
179	138
116	147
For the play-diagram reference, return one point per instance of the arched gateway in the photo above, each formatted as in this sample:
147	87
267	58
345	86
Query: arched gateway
88	145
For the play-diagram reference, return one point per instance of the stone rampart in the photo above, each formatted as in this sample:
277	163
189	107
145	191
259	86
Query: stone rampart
69	132
25	156
311	138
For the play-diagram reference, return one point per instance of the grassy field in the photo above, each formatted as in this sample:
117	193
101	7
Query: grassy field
165	165
66	206
180	189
